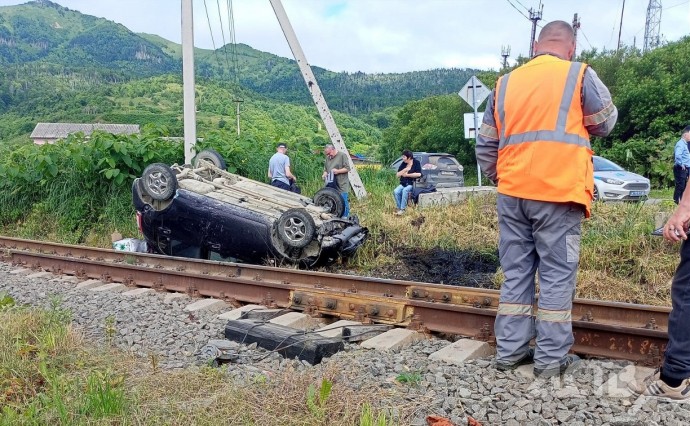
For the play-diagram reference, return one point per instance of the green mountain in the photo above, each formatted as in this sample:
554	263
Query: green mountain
47	32
42	31
57	64
279	78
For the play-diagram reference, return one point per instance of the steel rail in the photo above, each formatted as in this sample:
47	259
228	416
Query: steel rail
583	309
610	329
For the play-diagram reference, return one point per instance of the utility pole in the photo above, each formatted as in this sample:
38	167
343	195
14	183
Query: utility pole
505	52
238	101
576	26
534	16
317	96
189	109
620	28
652	26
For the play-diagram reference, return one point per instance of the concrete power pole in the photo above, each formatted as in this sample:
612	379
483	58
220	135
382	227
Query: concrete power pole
505	52
188	81
238	101
652	26
534	16
576	26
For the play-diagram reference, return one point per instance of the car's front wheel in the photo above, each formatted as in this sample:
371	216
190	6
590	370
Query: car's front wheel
296	228
331	200
596	196
160	182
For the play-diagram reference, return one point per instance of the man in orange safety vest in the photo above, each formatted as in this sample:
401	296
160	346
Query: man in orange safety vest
534	145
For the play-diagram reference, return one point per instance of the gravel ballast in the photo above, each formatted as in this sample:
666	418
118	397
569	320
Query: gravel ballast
146	325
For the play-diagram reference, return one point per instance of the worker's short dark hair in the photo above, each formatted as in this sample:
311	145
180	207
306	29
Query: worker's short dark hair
281	145
686	130
407	153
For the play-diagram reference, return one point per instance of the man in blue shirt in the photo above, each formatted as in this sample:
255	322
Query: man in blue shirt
279	169
681	167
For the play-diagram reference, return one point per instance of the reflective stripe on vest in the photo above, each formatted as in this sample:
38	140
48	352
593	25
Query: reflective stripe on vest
544	152
546	135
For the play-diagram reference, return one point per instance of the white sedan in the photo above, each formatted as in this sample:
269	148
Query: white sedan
612	182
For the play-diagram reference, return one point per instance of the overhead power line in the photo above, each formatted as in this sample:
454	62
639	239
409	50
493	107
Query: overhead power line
620	28
675	5
222	31
233	40
586	39
210	29
518	2
518	10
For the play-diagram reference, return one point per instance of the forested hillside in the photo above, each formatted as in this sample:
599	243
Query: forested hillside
60	65
353	93
47	32
648	89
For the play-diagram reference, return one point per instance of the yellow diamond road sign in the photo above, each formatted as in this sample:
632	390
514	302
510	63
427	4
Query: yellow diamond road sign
480	92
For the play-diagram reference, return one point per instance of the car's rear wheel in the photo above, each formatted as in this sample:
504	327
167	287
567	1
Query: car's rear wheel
331	200
596	196
211	156
296	228
160	182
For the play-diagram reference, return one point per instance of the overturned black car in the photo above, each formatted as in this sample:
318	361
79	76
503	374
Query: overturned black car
204	212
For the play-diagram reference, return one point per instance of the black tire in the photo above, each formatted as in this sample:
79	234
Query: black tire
296	228
159	181
596	196
331	199
212	156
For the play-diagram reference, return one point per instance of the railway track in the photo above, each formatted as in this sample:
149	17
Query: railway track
613	330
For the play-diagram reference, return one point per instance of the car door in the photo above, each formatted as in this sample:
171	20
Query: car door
238	232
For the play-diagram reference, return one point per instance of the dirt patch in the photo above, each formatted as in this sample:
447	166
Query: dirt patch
438	266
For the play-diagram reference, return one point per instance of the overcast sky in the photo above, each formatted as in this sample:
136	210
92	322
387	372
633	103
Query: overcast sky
392	35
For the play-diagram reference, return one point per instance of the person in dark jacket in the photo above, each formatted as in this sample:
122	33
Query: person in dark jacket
409	170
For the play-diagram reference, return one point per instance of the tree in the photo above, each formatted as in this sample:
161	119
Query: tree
432	124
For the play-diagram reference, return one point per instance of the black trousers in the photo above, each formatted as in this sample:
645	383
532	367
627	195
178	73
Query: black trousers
280	184
680	175
677	355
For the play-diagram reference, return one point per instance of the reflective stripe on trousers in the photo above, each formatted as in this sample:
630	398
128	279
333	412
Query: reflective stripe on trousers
544	237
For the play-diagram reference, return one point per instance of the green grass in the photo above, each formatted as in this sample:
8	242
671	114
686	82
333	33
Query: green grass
79	193
619	259
45	375
412	378
50	376
662	194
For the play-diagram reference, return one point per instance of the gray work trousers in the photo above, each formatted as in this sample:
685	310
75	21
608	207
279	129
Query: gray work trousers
544	237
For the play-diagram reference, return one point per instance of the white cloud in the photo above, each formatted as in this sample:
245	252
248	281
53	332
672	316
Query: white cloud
392	35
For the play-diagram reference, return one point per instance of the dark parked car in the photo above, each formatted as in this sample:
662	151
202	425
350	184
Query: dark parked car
207	213
439	169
